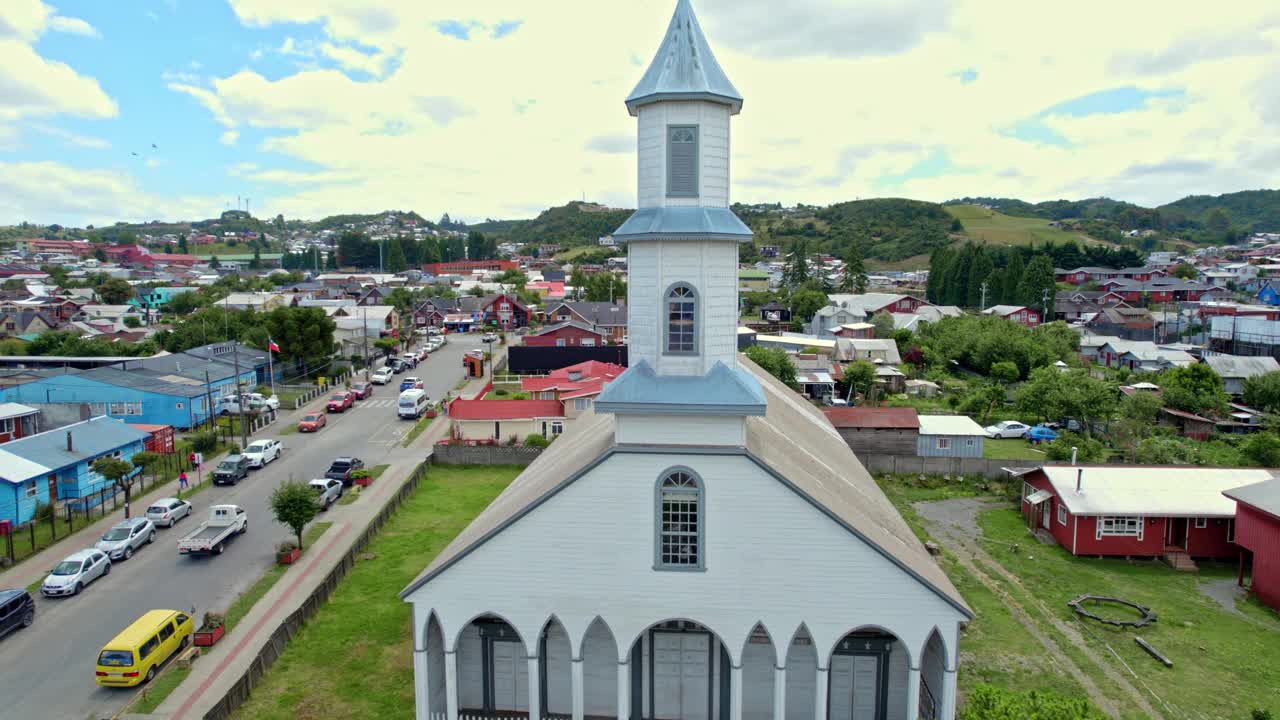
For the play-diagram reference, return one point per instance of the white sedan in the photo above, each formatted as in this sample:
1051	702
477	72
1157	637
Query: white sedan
261	452
1007	429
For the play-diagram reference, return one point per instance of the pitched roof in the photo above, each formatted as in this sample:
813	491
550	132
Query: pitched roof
1264	495
950	425
723	390
1237	366
600	313
873	417
461	409
551	329
684	68
792	441
1003	310
89	439
1151	491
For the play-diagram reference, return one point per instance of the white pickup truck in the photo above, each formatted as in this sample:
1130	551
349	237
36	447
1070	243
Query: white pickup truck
224	523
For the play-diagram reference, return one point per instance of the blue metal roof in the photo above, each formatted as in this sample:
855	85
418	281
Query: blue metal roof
722	391
692	222
89	439
684	68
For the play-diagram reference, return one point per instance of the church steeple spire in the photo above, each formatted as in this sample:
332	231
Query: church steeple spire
684	68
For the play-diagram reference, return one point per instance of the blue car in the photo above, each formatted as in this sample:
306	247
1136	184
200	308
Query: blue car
1041	434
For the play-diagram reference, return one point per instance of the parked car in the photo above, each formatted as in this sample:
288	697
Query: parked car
133	656
410	359
211	536
71	575
261	452
1041	434
489	338
1007	429
231	470
362	390
122	539
17	610
340	402
381	376
342	467
434	331
398	366
168	511
411	383
328	491
232	405
311	422
270	402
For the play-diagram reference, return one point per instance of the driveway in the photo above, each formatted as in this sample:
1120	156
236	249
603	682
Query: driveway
46	671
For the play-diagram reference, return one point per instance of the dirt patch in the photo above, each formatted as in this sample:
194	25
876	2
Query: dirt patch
955	523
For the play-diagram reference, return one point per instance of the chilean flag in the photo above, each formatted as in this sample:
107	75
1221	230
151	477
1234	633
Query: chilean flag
272	346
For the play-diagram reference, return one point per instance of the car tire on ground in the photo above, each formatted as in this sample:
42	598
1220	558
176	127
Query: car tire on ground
107	570
128	552
152	537
151	674
76	590
29	618
245	529
185	642
218	550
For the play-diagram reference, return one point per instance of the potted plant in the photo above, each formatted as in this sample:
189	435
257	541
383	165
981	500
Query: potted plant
362	477
287	552
210	631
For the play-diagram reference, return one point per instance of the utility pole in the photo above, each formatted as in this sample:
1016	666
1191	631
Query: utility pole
983	287
1044	296
364	337
235	359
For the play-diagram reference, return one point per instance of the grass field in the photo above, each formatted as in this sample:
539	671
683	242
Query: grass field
349	497
418	428
1010	449
365	623
995	228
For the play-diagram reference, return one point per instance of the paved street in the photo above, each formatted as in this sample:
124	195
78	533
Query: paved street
46	671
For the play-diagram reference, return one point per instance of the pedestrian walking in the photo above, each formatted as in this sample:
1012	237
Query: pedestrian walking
192	459
182	480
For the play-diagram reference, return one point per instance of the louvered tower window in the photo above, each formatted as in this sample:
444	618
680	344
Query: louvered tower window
682	161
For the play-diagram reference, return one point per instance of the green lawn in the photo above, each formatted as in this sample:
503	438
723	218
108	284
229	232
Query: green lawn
349	497
995	228
1010	449
1225	664
364	622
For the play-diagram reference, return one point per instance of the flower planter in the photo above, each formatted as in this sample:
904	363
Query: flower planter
207	638
431	413
288	558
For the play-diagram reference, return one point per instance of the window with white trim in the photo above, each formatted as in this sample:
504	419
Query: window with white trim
561	342
969	442
6	425
557	427
682	309
547	395
1202	523
31	489
943	443
1062	514
580	404
126	408
1027	489
1119	527
682	161
588	342
680	517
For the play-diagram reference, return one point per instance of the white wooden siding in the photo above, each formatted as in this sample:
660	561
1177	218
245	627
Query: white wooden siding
559	674
470	669
802	681
680	430
772	558
757	681
600	672
713	153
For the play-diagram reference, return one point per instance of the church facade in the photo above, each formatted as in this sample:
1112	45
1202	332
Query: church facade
702	545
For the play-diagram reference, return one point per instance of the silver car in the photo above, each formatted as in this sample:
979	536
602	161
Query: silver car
166	512
71	575
328	491
122	540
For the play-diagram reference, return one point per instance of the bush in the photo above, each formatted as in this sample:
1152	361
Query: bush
204	441
1088	449
361	474
513	441
536	440
988	703
500	392
212	621
285	547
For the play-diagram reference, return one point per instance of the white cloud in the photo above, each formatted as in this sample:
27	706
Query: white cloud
208	98
46	192
348	58
74	26
73	139
229	137
33	86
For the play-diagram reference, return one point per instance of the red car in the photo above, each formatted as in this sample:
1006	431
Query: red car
362	390
312	422
341	402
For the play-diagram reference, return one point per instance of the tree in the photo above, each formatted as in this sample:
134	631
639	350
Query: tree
394	260
256	262
294	505
774	361
859	377
1052	395
1185	271
578	281
1262	392
980	268
883	323
182	244
1262	449
1137	415
214	262
1194	388
1218	221
118	472
304	334
479	247
184	303
805	303
387	345
1036	282
115	292
855	271
1004	372
99	255
939	269
146	460
132	322
796	273
1013	273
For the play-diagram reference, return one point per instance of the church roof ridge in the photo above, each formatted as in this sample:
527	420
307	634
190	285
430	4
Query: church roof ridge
684	68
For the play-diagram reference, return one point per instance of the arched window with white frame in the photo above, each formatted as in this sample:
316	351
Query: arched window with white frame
680	526
682	320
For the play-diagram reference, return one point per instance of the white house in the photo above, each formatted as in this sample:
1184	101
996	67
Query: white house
702	545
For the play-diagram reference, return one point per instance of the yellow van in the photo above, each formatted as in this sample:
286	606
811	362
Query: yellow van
135	654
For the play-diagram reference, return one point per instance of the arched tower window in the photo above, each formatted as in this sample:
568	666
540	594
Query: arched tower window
682	320
680	521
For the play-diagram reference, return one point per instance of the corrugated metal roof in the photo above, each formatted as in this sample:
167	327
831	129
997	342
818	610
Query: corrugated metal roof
684	68
695	222
733	389
89	439
873	417
1152	491
950	425
1236	366
461	409
1264	495
16	469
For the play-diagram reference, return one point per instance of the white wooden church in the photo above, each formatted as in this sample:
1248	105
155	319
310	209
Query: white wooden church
702	546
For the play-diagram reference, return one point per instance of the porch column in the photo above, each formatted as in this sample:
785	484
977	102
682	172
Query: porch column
422	685
780	693
535	688
947	702
451	684
913	693
735	692
578	701
820	702
624	690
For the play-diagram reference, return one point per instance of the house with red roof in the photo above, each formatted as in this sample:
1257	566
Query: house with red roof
566	334
1257	532
576	385
889	430
499	421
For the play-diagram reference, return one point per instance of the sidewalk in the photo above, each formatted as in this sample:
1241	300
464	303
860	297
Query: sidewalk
220	668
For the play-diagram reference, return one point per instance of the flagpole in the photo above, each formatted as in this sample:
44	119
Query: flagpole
271	365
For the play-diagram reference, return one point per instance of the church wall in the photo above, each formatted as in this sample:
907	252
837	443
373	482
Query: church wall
470	668
600	672
559	674
896	707
771	558
712	120
757	681
680	430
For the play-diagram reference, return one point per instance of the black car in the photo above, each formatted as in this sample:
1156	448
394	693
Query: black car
398	366
17	610
231	470
342	468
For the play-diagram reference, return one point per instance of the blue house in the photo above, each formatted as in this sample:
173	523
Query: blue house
949	436
231	352
1268	295
156	298
136	396
55	465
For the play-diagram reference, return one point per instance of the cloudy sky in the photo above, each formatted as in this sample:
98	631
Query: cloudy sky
145	109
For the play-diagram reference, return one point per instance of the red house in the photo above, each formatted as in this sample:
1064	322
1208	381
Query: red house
1258	532
1015	313
17	421
467	267
565	334
1170	512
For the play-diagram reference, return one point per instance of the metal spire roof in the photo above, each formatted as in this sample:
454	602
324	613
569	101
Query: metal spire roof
684	68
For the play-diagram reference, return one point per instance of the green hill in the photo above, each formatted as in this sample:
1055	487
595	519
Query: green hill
994	228
577	223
